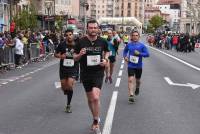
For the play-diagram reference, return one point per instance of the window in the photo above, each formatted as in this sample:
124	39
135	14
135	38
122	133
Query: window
129	5
129	13
66	2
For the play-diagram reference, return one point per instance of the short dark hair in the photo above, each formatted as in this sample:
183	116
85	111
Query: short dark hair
135	31
92	21
69	30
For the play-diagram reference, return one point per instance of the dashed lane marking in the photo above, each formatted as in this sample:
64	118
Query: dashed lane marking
117	82
6	81
120	72
122	66
25	79
57	84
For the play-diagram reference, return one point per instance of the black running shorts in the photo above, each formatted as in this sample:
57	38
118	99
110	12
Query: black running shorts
90	82
112	59
137	72
65	75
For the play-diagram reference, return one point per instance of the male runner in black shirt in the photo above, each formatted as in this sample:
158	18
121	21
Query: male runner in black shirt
92	51
68	67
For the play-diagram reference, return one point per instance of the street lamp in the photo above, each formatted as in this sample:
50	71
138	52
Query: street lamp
85	6
48	6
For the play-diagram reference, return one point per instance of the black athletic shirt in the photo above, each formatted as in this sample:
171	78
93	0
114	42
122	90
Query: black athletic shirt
67	64
93	49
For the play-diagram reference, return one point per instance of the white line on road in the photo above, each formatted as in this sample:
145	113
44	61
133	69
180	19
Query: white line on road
117	82
26	74
123	61
188	64
122	66
111	111
11	80
4	83
120	72
170	82
4	79
57	84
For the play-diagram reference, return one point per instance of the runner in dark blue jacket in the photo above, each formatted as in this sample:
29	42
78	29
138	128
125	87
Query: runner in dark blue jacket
133	54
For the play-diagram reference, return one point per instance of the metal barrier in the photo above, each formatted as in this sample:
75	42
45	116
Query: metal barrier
36	52
7	57
39	51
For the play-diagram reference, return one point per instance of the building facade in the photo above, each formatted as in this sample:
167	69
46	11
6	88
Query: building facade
116	8
190	13
174	14
4	15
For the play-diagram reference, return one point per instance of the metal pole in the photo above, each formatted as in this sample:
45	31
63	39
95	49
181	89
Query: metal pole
48	17
85	21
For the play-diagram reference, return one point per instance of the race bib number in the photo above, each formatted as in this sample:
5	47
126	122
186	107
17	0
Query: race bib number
110	53
93	60
68	62
134	59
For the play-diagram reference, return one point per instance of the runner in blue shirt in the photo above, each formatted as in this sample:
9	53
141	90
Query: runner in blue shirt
133	54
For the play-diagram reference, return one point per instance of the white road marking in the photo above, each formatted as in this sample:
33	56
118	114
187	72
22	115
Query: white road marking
122	66
111	111
120	72
123	61
170	82
4	83
57	84
22	76
173	57
4	79
25	79
117	82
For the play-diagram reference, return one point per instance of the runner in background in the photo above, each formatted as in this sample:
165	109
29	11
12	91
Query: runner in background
68	67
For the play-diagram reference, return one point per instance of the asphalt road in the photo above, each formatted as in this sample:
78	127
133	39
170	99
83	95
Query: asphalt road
30	103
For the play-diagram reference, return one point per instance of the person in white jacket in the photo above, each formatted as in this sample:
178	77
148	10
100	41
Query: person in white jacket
19	46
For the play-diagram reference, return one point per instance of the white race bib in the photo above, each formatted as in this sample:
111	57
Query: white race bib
134	59
110	53
68	62
93	60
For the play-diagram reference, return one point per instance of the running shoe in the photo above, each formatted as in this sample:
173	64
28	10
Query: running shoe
106	79
137	91
131	99
95	124
110	79
97	130
68	109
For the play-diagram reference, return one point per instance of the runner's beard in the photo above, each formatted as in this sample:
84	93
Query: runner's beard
69	41
93	34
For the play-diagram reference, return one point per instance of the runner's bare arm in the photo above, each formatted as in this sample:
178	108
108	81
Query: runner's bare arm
59	55
80	54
